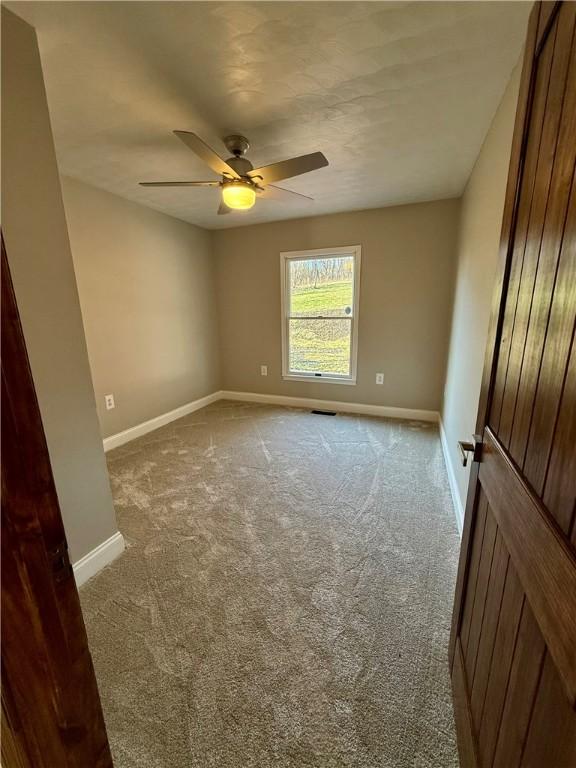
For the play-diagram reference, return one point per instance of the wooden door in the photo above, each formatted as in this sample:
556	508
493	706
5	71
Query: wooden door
51	713
513	643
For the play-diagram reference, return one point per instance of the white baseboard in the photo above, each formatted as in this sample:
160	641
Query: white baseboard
332	405
255	397
159	421
458	507
98	558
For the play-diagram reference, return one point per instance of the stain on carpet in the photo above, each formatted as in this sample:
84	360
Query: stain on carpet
285	597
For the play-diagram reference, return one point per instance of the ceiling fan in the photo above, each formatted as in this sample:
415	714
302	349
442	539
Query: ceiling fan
241	182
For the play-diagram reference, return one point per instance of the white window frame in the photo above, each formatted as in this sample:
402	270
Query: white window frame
285	258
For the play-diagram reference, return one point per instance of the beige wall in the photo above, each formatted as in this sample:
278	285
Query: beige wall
480	224
408	256
147	287
38	250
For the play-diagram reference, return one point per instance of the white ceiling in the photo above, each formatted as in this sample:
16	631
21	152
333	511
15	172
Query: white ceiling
398	96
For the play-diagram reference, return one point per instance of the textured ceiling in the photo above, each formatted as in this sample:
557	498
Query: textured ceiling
398	96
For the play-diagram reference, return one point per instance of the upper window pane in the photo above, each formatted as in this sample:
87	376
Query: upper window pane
322	287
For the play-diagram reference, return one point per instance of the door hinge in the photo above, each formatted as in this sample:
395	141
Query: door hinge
60	562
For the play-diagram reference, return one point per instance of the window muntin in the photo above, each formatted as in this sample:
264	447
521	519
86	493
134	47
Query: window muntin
320	300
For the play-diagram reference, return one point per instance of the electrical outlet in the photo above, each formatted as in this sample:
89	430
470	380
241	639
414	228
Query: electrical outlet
109	400
379	378
264	370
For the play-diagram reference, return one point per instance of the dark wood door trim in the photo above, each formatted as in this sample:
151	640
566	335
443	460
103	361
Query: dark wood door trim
50	703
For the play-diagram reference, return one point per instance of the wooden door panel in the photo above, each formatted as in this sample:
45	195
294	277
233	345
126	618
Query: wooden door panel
515	692
541	555
555	260
521	230
560	488
555	362
549	159
478	600
477	544
546	16
523	681
528	248
488	725
551	735
514	627
490	619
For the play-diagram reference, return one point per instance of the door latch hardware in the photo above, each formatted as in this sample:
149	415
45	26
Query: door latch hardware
60	562
474	448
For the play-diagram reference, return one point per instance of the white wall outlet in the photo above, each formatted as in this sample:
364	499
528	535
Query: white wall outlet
379	378
109	400
263	370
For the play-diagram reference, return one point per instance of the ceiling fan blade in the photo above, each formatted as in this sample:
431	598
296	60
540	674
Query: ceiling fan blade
278	193
206	153
179	183
288	168
222	209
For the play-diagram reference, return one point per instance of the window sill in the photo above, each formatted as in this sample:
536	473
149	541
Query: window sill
319	379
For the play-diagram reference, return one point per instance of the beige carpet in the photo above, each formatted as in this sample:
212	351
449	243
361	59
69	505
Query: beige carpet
285	597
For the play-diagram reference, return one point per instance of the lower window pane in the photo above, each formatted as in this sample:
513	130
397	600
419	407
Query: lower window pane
320	346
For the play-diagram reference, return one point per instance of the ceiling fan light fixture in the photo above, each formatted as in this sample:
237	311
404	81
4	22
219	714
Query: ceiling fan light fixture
238	195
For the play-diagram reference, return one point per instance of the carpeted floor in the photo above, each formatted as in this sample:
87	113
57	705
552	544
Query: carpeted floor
285	597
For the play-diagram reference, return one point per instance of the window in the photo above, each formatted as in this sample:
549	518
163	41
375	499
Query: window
320	314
